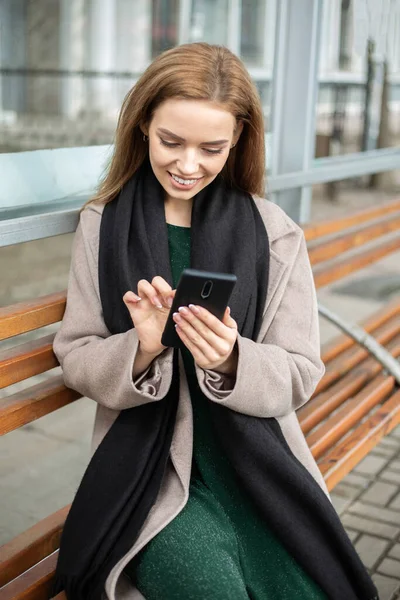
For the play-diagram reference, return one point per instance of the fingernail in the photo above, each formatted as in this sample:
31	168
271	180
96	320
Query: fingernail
183	310
157	302
194	308
169	302
229	310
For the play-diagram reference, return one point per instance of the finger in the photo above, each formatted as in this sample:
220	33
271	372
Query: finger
212	322
163	290
146	289
131	297
195	327
228	320
212	347
196	352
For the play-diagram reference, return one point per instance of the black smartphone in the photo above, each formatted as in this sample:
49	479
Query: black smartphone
203	288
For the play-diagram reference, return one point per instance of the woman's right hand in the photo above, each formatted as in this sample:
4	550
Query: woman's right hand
149	309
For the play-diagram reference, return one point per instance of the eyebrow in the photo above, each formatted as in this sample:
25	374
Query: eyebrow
177	137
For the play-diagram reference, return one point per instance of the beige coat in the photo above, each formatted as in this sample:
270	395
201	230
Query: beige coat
275	376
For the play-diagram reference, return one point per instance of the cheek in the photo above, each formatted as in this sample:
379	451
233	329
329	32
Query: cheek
158	156
217	163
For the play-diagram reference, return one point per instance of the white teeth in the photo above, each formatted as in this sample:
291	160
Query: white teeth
183	181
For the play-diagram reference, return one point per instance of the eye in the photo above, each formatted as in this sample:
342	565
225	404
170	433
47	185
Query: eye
209	151
168	144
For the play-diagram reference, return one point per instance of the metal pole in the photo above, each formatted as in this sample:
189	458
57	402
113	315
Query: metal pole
379	352
294	94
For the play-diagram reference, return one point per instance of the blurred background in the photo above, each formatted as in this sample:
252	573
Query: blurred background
328	74
66	65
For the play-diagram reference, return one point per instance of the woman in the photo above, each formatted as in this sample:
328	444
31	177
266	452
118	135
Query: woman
202	485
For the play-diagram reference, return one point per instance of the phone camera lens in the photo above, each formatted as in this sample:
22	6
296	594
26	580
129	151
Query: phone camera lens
206	291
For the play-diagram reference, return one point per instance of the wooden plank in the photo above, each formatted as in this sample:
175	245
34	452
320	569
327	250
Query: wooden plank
317	230
27	316
31	546
34	584
27	360
337	463
349	414
350	358
324	274
321	406
342	342
326	250
34	402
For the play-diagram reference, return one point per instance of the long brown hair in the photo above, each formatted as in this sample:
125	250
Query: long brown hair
195	71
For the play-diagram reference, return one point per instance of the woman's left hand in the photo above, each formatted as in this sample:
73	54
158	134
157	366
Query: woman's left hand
212	342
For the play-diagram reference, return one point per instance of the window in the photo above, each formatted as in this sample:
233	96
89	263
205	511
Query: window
165	25
209	21
253	34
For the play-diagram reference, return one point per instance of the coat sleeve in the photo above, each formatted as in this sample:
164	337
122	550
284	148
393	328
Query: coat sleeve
278	374
94	362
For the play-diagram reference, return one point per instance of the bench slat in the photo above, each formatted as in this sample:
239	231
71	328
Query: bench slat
341	460
34	402
34	584
323	228
31	546
320	407
326	250
339	366
27	316
342	342
325	274
349	414
27	360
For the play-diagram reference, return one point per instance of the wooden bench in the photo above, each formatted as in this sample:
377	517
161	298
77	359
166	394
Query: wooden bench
354	406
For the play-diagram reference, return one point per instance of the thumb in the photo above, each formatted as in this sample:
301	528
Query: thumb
228	319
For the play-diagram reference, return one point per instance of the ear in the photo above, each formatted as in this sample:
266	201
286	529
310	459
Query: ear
144	128
237	132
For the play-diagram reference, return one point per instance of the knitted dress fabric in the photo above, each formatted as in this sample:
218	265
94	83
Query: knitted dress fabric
218	547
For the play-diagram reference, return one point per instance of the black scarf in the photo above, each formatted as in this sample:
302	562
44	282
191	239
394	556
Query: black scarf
124	476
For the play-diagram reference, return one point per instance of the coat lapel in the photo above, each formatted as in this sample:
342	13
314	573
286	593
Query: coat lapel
276	284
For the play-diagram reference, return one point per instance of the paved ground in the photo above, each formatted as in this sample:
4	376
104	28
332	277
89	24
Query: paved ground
368	501
41	464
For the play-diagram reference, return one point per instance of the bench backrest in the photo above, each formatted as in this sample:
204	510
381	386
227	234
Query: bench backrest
365	402
25	360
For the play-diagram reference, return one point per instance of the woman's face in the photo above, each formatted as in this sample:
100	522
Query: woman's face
189	143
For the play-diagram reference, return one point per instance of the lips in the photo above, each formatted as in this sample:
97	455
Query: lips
186	180
176	182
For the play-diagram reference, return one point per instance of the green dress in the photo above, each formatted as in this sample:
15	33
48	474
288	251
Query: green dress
217	548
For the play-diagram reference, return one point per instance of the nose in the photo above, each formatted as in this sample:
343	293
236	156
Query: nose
188	162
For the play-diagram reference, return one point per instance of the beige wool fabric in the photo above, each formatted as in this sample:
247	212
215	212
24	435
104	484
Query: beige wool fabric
276	375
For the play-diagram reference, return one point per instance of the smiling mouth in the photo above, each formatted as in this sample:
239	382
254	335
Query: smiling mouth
184	181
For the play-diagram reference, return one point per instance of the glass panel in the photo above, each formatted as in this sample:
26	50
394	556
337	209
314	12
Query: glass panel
265	89
357	296
209	21
359	91
42	463
165	25
253	34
